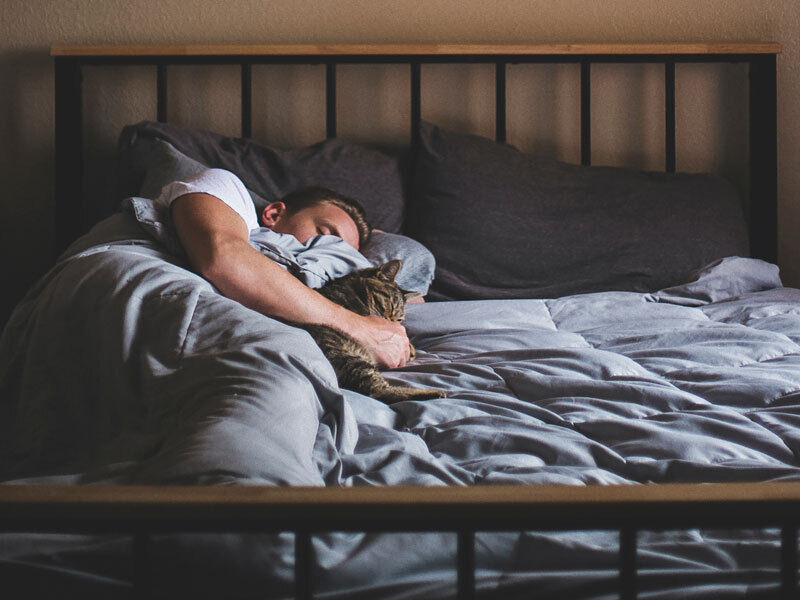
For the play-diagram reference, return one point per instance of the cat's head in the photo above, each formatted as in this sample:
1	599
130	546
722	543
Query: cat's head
372	291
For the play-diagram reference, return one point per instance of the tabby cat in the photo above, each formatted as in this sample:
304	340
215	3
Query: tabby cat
370	291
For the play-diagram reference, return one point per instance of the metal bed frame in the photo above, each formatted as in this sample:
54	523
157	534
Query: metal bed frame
760	57
143	510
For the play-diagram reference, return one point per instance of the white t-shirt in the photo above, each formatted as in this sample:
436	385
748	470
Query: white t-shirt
219	183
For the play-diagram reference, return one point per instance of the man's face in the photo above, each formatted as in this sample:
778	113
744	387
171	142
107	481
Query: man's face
321	219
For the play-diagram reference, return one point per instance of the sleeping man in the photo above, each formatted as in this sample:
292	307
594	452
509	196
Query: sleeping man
213	215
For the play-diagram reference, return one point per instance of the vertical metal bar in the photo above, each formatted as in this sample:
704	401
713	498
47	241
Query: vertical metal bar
586	110
627	563
69	210
466	565
500	101
416	103
330	99
789	561
763	158
141	566
161	93
302	565
669	108
411	218
247	100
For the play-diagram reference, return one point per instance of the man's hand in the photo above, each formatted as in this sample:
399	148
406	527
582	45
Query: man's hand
386	340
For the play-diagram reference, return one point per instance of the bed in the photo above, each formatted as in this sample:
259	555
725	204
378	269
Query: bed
622	369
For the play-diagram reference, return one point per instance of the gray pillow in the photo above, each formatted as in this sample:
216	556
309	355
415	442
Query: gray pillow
504	224
722	280
166	164
372	177
418	263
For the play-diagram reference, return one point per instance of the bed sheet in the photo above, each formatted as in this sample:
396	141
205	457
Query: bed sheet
121	366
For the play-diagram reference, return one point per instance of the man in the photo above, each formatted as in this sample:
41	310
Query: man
213	215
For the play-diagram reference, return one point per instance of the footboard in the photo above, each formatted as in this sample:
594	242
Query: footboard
143	510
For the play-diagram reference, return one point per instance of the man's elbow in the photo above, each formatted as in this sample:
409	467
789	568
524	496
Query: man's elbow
209	268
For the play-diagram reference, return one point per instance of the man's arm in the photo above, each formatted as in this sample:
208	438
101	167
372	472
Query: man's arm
215	239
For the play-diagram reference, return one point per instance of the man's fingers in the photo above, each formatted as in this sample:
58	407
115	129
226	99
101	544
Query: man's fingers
397	346
387	341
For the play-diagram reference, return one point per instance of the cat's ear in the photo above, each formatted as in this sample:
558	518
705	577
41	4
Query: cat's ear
389	270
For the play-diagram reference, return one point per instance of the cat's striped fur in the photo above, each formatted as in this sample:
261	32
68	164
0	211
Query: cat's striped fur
370	291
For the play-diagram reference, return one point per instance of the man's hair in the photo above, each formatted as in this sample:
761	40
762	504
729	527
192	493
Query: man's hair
314	195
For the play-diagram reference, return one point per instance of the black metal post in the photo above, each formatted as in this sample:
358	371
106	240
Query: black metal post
466	565
416	103
69	209
411	219
500	100
303	563
627	563
330	99
669	109
586	110
763	158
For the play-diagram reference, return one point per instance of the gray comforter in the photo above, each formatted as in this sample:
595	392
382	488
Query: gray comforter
123	366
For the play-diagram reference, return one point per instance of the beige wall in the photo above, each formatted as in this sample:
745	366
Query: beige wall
627	114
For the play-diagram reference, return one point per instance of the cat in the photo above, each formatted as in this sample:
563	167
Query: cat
370	291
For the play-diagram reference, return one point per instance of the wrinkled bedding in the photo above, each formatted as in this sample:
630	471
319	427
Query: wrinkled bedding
122	366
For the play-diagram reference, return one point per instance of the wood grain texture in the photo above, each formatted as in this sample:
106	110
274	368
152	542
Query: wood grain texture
103	508
412	49
410	495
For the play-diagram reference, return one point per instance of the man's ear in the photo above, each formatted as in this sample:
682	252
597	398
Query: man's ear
272	213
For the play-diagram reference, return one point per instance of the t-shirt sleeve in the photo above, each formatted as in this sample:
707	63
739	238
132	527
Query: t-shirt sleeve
219	183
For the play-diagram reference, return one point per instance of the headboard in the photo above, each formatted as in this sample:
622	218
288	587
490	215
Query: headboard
760	58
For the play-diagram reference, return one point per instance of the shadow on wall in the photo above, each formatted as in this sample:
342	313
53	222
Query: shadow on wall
26	171
732	97
712	116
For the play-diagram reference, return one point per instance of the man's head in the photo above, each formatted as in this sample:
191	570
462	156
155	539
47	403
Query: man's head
311	211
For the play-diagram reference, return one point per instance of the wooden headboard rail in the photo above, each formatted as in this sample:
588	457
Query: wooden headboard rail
760	57
416	49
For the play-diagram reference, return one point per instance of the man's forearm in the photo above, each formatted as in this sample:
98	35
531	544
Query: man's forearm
243	274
